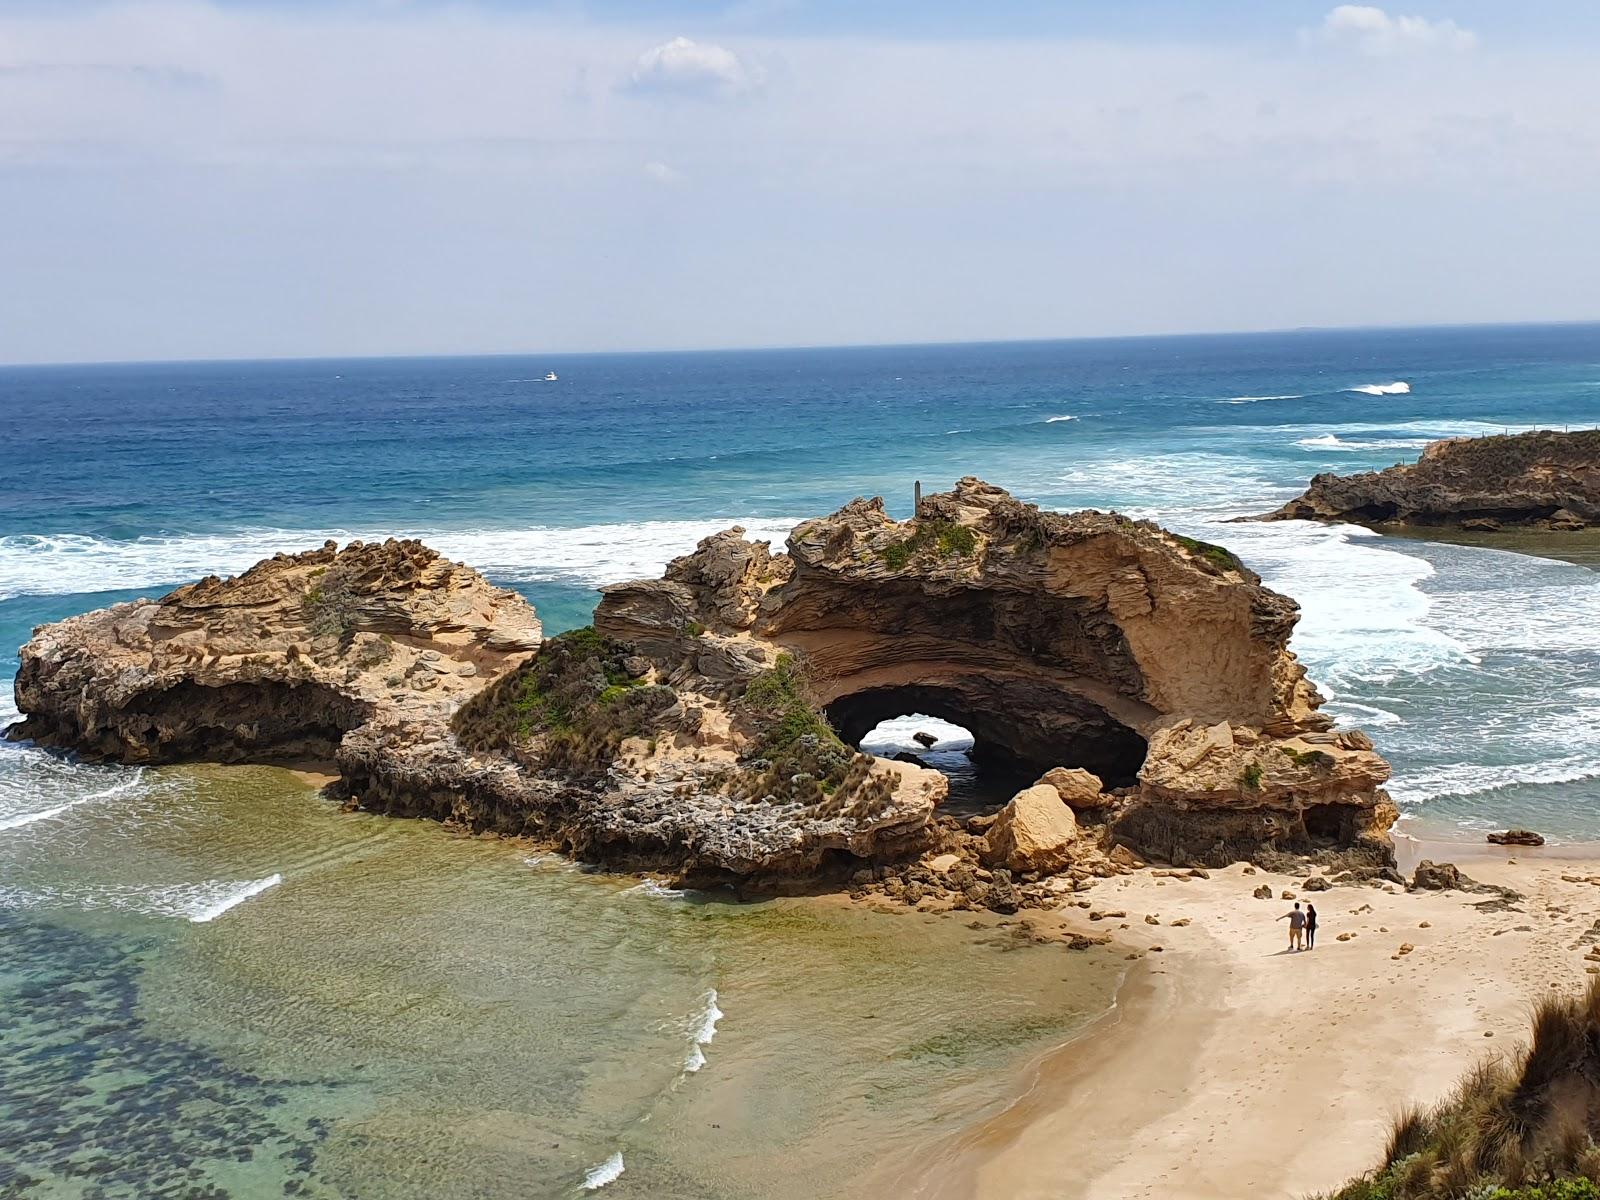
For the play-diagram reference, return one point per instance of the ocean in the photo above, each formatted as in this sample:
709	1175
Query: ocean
211	979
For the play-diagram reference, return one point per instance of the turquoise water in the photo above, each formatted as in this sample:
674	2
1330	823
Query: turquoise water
213	980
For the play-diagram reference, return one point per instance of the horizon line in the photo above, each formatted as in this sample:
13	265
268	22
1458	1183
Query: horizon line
802	346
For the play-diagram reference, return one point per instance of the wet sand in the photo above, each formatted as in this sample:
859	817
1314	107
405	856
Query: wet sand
1232	1067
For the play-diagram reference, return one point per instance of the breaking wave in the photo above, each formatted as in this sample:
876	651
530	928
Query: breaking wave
200	903
603	1173
66	563
1398	388
702	1029
1057	420
1332	441
19	820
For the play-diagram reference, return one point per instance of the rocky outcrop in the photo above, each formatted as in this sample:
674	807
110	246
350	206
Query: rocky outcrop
707	723
276	664
1545	479
1086	641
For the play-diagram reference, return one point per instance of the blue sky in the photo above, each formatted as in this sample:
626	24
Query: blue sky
183	179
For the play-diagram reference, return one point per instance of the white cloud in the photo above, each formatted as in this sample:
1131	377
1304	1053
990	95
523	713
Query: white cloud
661	173
1374	31
686	67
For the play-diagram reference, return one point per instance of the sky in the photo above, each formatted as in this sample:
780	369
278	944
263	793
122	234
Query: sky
262	178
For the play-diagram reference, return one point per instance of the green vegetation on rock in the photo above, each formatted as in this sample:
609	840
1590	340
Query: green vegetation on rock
1218	556
946	538
795	755
1250	777
569	707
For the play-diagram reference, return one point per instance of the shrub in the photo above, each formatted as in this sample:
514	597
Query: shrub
947	538
1250	778
569	707
1512	1130
1217	556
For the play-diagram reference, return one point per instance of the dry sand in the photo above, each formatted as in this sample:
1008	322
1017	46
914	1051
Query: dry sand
1231	1068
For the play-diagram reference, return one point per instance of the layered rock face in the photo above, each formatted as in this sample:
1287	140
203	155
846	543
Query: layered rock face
706	724
277	664
1091	641
1545	479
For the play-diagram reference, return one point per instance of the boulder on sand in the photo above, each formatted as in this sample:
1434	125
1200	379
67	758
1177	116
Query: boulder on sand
1517	837
1034	832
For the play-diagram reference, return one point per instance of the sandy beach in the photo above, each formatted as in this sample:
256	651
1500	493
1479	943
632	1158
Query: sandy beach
1233	1068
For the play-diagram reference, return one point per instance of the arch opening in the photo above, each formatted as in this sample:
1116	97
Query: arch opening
988	746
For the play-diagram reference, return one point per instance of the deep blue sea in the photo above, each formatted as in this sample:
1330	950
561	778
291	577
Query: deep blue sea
247	936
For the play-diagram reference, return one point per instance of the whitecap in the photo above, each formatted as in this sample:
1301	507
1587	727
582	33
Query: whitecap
1057	420
604	1173
1398	388
1259	399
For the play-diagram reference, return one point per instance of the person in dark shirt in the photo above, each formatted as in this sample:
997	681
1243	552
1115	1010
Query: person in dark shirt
1311	926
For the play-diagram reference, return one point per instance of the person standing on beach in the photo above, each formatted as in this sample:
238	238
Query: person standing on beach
1311	926
1297	924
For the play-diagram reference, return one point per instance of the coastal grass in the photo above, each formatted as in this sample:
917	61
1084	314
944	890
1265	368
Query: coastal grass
1518	1128
795	756
570	707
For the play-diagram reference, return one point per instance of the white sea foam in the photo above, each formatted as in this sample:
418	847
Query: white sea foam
57	564
1059	419
656	890
210	911
604	1173
898	734
1364	617
197	902
702	1029
20	820
1398	388
1476	779
1332	441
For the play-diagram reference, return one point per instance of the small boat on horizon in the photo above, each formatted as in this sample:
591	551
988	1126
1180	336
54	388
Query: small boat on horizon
550	377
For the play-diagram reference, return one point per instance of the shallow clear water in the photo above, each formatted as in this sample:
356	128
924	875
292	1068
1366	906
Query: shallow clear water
197	963
407	1013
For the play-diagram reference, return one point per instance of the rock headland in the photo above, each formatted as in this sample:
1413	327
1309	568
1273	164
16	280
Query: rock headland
706	724
1542	479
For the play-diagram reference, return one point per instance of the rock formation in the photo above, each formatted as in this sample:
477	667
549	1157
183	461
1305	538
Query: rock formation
1545	479
274	665
706	724
1084	641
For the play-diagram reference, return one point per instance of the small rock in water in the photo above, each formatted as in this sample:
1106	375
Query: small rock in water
924	739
